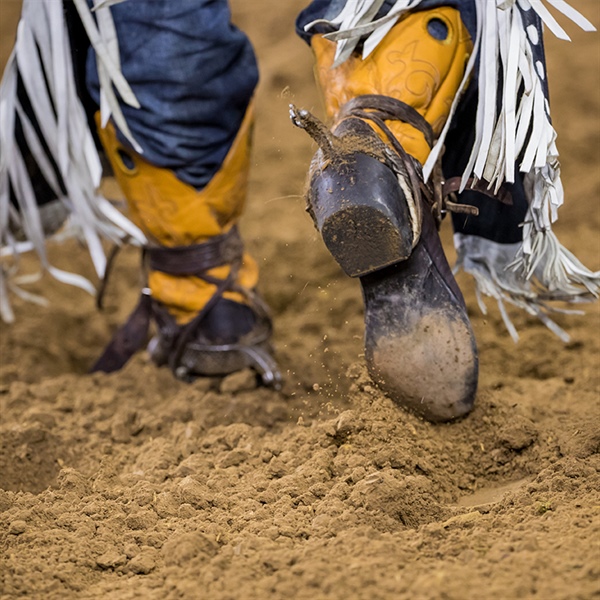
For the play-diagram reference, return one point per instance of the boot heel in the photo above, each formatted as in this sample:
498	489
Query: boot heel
362	214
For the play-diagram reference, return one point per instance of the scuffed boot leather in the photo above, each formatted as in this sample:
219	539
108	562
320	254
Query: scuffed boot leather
419	345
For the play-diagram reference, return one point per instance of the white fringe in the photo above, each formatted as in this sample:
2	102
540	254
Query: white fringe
506	52
488	263
42	57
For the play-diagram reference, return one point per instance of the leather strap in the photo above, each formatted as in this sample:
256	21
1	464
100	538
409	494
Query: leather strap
195	259
452	185
379	109
387	108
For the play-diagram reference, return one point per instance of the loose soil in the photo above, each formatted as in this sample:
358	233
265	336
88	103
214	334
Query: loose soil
134	485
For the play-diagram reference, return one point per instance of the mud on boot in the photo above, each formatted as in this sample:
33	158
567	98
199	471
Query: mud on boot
366	199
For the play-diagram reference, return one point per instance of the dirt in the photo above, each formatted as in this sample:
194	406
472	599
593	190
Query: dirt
134	485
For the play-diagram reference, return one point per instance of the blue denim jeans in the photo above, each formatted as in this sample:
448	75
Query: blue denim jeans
194	74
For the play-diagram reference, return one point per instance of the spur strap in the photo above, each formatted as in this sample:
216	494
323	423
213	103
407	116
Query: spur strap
385	108
379	109
196	260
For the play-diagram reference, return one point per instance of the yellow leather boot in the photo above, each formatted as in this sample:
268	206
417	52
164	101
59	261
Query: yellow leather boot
420	62
367	198
201	283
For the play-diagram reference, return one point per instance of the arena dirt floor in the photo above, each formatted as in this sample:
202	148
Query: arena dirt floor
134	485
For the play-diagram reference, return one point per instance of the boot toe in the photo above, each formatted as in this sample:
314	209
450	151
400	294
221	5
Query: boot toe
427	365
229	338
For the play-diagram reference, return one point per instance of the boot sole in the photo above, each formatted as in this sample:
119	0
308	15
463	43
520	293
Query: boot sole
419	345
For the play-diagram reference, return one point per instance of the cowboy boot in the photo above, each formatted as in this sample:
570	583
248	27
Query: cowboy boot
367	199
201	284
